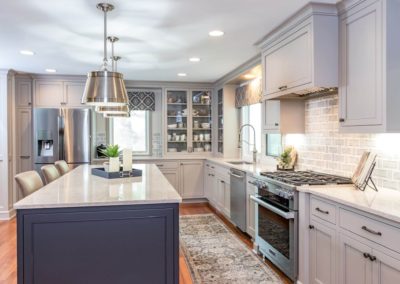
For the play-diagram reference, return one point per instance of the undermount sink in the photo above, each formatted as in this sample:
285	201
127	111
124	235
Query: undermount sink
240	163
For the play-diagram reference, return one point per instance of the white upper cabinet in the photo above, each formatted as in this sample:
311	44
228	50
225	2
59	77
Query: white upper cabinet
369	66
58	93
301	55
73	92
23	93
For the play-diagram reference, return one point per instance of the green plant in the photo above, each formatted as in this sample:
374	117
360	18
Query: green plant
112	151
288	158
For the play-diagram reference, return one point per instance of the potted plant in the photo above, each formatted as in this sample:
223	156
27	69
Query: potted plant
112	153
287	159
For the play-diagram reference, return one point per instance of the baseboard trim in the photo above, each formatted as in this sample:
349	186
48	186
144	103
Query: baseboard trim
195	200
7	215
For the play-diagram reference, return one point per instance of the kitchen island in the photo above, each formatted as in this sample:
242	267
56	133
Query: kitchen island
86	229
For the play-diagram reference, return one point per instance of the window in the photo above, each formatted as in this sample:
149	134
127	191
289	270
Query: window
251	115
274	144
133	132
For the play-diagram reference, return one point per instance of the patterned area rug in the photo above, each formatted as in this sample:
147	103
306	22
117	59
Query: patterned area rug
215	255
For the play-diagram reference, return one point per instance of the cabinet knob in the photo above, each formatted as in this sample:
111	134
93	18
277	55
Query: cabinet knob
311	227
276	124
341	119
29	104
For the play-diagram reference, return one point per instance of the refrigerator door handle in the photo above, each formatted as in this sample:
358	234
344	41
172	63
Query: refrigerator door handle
60	138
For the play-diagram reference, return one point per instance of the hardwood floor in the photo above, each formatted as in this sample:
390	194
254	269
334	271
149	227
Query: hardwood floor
8	251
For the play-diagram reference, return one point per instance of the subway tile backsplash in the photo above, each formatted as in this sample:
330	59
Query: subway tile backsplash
322	148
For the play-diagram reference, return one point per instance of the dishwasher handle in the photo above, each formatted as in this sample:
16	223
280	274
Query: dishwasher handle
236	176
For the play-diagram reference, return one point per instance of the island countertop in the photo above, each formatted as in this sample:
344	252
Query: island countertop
79	188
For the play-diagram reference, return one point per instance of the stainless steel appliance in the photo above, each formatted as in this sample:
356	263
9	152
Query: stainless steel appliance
61	134
277	214
238	198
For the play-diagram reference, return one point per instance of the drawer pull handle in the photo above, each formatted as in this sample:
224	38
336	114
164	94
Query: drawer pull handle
371	231
282	87
372	258
322	211
366	255
252	182
160	165
311	227
272	252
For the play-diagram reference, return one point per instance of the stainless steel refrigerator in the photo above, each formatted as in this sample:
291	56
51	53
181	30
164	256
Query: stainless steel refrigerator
61	134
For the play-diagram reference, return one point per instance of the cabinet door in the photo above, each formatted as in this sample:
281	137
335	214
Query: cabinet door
355	267
220	193
361	95
322	254
227	199
23	94
192	179
386	268
251	210
289	64
73	92
271	115
173	177
48	94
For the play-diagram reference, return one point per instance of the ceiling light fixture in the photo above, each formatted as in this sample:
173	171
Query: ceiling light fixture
104	87
113	111
27	52
216	33
50	70
194	59
182	74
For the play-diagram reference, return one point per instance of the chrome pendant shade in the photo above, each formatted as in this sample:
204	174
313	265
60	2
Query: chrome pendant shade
112	109
112	115
105	88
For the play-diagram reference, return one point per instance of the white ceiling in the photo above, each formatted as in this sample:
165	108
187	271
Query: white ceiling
156	36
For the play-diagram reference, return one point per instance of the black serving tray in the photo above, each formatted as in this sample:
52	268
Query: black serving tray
121	174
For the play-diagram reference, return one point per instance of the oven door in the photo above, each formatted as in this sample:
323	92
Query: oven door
276	236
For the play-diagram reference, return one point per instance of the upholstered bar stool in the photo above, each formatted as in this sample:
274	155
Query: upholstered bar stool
62	167
50	173
28	182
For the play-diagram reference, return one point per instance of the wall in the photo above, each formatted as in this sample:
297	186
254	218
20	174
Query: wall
324	149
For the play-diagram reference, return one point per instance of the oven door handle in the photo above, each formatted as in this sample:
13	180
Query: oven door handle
286	215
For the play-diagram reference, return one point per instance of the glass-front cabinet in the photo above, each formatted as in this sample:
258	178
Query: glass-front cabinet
188	121
221	121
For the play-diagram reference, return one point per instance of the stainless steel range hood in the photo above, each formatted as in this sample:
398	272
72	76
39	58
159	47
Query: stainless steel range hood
313	92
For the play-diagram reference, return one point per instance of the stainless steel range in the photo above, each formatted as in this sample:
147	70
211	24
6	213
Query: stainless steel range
277	214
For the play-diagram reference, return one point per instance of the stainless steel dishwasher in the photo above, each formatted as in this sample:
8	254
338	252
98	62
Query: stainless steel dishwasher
238	198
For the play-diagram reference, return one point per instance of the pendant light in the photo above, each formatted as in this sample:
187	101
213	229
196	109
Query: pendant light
112	115
111	110
105	88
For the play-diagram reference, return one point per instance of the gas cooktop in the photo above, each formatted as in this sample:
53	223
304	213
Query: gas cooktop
298	178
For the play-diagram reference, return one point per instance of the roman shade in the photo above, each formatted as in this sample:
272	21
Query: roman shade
248	94
141	100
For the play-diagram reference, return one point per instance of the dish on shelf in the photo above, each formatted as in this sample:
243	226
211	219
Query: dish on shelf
171	126
172	150
205	125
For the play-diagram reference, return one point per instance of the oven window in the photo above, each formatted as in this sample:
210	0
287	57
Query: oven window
274	229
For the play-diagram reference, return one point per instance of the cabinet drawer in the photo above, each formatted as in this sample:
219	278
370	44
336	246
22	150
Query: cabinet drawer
167	165
323	210
370	229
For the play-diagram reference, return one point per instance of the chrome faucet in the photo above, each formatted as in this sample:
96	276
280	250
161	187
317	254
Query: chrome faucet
254	139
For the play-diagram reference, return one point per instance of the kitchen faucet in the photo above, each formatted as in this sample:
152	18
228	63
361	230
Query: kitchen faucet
254	141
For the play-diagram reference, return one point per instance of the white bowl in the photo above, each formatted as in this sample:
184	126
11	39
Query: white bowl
205	125
172	125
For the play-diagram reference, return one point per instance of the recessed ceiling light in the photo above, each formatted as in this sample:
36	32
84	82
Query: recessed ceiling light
50	70
194	59
182	74
216	33
249	76
26	52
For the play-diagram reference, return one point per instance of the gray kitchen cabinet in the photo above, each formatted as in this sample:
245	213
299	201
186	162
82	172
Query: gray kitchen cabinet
354	266
369	66
322	254
209	183
251	189
284	116
73	91
23	93
386	268
301	54
192	179
173	177
48	93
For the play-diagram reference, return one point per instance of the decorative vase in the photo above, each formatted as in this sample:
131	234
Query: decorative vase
114	165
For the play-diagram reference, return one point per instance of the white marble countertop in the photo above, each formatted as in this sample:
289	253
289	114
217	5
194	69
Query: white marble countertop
79	188
384	203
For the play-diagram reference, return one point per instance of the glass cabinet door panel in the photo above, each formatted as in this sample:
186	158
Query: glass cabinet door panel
220	121
177	121
201	121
